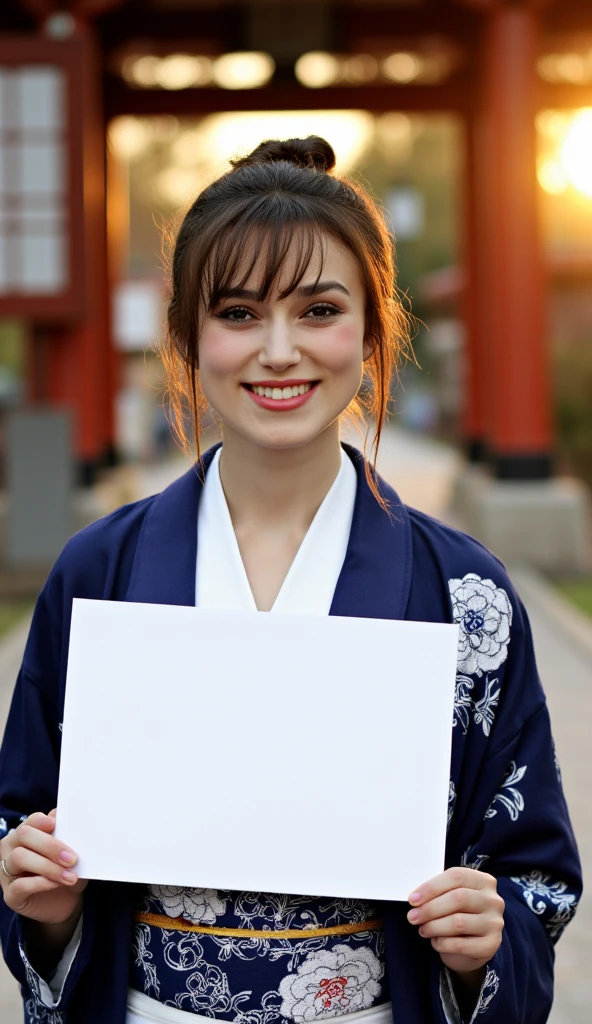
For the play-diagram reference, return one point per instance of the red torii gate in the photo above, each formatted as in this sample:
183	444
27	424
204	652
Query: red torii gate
507	408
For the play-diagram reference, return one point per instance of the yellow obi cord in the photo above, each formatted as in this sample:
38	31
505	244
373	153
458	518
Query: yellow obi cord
178	924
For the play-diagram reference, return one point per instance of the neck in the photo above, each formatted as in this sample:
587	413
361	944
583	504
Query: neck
271	487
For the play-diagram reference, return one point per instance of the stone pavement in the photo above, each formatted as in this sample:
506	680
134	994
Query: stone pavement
423	472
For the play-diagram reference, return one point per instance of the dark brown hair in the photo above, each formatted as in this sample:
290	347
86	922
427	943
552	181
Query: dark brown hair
279	200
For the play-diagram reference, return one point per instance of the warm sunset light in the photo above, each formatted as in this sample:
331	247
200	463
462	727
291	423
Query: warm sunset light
552	176
200	152
576	152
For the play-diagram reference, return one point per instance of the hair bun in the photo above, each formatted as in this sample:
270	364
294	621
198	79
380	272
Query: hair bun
313	153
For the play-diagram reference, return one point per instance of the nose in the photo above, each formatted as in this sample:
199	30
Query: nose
279	350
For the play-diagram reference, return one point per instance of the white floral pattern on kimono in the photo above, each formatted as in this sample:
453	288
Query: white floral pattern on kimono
329	984
543	893
509	795
484	614
200	906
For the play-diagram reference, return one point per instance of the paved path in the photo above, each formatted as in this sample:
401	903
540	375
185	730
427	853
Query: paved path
423	472
563	643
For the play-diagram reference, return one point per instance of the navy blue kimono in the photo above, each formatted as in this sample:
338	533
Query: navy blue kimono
507	812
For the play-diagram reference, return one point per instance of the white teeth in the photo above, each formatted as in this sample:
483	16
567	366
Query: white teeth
281	394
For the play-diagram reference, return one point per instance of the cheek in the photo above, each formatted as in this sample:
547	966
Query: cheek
342	350
219	355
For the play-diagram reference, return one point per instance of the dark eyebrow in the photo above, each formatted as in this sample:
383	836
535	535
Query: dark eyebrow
305	291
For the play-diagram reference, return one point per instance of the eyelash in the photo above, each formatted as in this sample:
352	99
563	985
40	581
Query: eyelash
225	313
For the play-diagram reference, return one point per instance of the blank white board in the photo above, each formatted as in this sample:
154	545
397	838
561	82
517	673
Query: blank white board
242	750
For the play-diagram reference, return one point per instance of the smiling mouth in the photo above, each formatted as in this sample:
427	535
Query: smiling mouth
280	394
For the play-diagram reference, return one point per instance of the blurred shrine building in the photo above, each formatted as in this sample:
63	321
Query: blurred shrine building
67	67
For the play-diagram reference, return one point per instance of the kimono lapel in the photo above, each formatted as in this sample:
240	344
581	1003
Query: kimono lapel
164	565
375	579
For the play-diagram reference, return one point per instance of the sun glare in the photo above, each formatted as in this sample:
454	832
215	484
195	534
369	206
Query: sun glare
233	134
552	176
576	152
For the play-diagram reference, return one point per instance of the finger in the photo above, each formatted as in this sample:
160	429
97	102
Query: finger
468	901
34	839
39	820
453	878
53	813
474	947
24	888
22	861
459	925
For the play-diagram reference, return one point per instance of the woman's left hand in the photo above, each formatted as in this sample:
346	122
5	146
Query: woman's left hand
462	914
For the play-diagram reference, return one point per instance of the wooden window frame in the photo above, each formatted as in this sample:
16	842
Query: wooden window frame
67	57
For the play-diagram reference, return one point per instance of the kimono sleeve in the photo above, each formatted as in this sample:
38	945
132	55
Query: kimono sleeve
29	761
518	830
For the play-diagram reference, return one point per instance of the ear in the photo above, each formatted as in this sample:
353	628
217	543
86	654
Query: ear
368	348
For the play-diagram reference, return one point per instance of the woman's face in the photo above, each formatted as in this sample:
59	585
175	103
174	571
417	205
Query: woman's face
279	372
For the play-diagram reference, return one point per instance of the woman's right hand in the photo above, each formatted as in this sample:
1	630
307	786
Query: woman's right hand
46	889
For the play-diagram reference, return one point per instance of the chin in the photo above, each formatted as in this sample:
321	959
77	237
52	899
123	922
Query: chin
286	437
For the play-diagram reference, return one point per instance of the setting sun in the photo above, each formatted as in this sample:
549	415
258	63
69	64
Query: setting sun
576	152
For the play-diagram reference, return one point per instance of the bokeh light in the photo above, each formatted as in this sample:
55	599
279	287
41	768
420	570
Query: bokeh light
565	152
129	137
243	70
317	69
176	185
553	124
576	152
401	67
571	68
234	134
141	71
184	71
552	176
360	69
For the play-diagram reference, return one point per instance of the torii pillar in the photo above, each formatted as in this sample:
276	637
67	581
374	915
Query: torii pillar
518	409
517	508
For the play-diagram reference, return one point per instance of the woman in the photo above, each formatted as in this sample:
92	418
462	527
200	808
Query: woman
282	299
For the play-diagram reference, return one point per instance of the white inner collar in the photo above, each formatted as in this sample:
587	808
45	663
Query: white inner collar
221	580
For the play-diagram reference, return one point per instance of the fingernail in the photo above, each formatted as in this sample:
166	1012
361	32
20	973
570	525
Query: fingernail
413	915
66	857
415	897
69	876
421	932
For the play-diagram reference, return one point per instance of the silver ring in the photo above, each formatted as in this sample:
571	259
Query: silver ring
6	871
